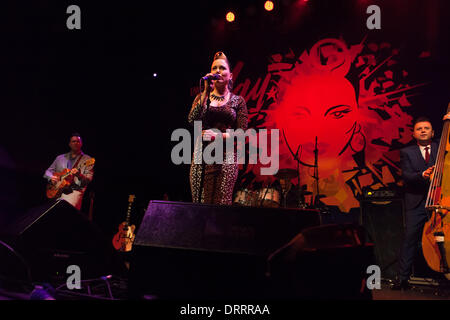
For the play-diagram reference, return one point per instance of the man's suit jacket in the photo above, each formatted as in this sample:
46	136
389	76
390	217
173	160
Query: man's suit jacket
413	164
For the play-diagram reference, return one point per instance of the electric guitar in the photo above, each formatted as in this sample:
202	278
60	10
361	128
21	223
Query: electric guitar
54	189
123	240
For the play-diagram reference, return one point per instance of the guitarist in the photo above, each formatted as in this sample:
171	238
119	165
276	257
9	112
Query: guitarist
80	175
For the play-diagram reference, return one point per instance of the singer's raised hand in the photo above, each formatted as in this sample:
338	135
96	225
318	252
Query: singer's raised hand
208	82
208	86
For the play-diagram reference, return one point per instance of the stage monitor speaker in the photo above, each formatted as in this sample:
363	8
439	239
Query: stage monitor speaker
54	236
323	262
384	222
209	251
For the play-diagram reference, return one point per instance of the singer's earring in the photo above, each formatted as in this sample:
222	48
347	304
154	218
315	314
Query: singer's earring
230	84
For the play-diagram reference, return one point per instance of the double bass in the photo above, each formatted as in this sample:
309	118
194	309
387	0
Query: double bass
436	232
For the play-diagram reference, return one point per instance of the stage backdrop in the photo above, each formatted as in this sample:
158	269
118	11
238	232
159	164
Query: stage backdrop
351	94
350	101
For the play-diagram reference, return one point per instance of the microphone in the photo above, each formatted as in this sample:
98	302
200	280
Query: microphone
215	76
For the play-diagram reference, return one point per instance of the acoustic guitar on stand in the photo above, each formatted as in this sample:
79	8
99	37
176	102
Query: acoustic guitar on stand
123	240
54	190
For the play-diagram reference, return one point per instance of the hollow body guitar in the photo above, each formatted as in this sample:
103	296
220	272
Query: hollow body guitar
123	240
65	177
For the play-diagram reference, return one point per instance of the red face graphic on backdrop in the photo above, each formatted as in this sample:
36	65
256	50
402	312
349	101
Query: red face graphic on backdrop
322	107
358	132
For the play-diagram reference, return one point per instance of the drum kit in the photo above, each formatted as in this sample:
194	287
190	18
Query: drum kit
264	197
271	197
268	196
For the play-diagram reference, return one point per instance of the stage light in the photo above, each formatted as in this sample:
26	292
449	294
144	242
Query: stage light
230	16
268	5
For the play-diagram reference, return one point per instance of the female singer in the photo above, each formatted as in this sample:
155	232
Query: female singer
218	108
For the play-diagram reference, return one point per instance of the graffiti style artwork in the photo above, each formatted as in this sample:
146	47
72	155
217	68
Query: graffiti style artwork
344	108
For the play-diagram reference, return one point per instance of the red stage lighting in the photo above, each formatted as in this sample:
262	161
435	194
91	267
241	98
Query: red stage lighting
268	5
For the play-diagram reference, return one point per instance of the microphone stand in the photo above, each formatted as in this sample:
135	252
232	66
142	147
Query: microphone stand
202	173
300	202
297	158
316	175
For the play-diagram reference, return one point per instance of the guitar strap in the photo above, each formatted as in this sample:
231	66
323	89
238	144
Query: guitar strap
78	160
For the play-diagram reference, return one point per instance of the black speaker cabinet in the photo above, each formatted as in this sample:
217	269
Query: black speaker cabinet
54	236
384	221
186	250
323	262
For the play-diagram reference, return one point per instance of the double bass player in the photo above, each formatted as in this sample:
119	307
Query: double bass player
417	163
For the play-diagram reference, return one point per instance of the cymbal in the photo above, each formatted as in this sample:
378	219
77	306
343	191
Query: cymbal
286	173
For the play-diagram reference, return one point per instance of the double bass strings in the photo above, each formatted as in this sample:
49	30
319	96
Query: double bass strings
442	158
438	170
443	145
432	188
439	167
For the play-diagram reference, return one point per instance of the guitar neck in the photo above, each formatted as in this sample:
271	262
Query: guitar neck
130	203
128	214
66	175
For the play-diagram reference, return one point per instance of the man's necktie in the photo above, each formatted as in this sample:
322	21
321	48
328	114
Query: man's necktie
427	154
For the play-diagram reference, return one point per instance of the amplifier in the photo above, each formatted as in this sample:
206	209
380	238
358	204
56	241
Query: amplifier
379	194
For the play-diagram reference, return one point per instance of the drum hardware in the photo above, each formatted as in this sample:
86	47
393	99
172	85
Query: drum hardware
316	199
286	185
297	157
263	197
245	197
269	197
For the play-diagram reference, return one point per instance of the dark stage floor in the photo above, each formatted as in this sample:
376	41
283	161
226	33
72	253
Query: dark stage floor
417	292
100	291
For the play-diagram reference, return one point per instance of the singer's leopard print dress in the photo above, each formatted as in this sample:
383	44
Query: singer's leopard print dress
219	179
